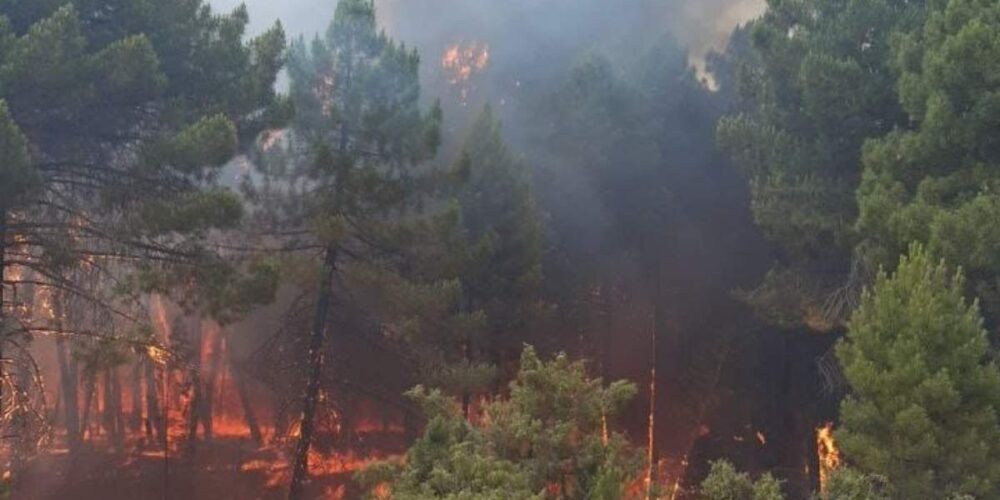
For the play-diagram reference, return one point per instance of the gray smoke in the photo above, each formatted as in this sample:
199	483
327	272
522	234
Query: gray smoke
701	25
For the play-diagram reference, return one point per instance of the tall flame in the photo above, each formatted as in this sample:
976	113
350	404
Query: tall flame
828	454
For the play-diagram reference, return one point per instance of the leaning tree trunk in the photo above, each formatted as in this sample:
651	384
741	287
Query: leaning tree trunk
248	411
240	381
301	458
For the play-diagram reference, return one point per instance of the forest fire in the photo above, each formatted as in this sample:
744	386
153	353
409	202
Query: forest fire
461	61
184	399
828	454
420	251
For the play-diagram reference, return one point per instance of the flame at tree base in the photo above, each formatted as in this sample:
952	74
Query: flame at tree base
828	455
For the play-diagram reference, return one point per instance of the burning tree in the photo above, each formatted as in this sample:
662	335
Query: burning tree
343	179
112	145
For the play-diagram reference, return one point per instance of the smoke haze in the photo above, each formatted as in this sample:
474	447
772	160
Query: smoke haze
701	25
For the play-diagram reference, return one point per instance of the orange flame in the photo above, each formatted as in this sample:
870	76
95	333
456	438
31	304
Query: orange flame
828	453
462	60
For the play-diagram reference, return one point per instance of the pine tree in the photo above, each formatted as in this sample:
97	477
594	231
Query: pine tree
725	483
923	406
817	83
116	120
490	245
544	441
935	180
346	175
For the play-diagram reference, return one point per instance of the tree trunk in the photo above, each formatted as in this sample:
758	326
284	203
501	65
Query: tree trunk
248	412
3	315
107	413
315	371
154	420
239	380
208	394
135	388
88	398
196	388
112	407
118	415
67	379
663	348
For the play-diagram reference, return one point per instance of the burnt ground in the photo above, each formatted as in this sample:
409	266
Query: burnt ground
223	469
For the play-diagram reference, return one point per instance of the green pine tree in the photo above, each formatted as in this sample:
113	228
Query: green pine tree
725	483
116	120
923	407
935	181
817	82
347	178
544	441
490	245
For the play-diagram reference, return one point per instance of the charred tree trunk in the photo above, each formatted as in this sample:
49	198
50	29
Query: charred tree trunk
113	407
118	414
3	310
208	394
300	466
154	420
107	415
248	412
88	398
348	409
67	378
135	388
239	379
661	351
196	388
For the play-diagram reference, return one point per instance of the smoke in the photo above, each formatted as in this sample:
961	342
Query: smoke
705	25
515	55
700	25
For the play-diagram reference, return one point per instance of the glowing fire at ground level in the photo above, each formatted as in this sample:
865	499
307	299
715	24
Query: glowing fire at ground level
255	463
180	418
